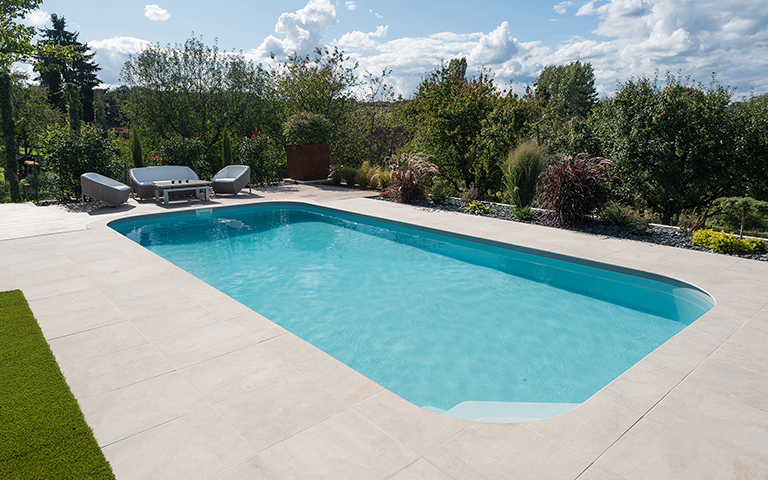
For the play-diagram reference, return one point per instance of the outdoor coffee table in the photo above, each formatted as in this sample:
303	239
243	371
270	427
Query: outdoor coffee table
166	186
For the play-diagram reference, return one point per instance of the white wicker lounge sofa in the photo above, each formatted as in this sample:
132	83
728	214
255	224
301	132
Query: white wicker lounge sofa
104	188
231	179
142	178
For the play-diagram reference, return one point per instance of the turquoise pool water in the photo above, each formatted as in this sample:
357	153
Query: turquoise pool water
471	329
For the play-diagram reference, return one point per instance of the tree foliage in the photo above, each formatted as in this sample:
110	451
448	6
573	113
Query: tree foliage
196	91
446	115
751	144
569	90
671	143
56	71
321	83
15	45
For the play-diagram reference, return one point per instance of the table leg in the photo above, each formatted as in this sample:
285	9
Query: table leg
165	197
157	196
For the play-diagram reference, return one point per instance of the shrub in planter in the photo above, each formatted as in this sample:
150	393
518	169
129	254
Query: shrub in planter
407	176
304	128
574	189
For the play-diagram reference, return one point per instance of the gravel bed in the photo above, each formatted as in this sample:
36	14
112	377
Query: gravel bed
659	234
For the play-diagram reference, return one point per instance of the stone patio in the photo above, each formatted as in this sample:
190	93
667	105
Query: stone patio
178	380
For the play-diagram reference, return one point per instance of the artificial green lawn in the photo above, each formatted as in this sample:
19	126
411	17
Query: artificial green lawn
42	431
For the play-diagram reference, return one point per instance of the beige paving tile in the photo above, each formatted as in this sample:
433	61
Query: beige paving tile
222	306
681	354
731	380
255	468
51	288
723	321
91	252
71	322
127	411
202	344
421	470
589	429
652	451
598	473
716	419
341	381
416	428
256	326
169	320
191	447
28	278
57	305
95	343
228	375
7	280
691	267
274	412
639	389
505	451
746	349
295	351
115	370
344	446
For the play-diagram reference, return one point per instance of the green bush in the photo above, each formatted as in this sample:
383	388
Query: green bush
349	175
260	153
521	173
727	242
614	213
304	128
439	194
525	214
574	189
383	179
335	175
186	151
71	153
365	175
477	208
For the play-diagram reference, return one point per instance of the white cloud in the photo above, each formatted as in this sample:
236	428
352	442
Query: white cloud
359	40
377	15
155	12
112	53
562	7
350	5
302	30
38	18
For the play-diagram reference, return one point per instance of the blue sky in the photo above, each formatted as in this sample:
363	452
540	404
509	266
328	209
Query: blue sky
515	39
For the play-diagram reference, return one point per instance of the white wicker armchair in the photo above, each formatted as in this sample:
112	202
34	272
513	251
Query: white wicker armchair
104	188
231	179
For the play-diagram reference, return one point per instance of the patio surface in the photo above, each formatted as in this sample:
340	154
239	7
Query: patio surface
178	380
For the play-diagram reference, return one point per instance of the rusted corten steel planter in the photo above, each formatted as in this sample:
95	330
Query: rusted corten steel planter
308	162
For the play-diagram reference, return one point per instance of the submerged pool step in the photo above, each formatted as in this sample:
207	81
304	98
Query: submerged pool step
504	412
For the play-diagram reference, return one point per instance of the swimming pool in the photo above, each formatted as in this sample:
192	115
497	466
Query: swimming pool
475	330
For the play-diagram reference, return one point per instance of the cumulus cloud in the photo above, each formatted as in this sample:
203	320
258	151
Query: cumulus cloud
302	29
38	18
112	53
359	40
155	12
350	5
562	7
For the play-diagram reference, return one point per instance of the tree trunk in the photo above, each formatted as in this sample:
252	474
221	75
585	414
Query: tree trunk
9	131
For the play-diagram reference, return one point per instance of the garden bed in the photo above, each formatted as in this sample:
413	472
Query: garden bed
658	234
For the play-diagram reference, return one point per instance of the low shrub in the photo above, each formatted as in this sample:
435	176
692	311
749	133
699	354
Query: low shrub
408	174
186	151
614	213
723	242
469	195
477	208
521	173
525	214
383	179
335	175
439	194
573	189
349	175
